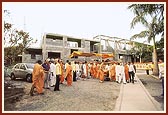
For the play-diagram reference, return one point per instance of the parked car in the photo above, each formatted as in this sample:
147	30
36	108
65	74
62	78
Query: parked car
22	70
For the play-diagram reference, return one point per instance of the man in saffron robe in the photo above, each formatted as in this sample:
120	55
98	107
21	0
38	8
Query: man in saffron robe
112	72
92	70
126	70
68	74
37	78
101	72
62	72
97	70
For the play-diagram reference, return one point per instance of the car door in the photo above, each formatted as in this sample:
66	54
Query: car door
22	72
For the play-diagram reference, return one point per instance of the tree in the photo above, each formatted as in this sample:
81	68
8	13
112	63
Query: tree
142	51
153	27
15	41
160	49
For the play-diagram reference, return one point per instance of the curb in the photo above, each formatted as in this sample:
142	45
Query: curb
155	103
119	100
155	77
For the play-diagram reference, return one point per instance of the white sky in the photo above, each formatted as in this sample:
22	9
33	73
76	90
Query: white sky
84	20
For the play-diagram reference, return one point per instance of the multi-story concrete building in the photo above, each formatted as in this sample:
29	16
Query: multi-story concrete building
60	46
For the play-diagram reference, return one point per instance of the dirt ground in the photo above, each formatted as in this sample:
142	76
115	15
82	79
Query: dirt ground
88	95
12	94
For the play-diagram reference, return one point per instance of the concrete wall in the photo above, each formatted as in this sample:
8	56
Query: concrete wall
26	58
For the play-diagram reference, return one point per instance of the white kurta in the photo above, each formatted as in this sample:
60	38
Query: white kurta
84	69
122	76
118	72
52	77
77	70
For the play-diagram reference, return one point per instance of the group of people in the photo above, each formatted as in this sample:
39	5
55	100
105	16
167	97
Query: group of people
50	74
115	71
54	72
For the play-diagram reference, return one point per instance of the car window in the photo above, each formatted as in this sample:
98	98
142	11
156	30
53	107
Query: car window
17	66
22	67
30	66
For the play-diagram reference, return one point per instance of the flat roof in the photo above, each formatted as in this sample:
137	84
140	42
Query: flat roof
71	37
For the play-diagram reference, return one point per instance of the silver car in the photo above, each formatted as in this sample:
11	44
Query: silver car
22	70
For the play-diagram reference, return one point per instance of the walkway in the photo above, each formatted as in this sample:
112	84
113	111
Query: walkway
135	97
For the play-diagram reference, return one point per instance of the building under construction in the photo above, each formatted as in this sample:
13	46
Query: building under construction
61	46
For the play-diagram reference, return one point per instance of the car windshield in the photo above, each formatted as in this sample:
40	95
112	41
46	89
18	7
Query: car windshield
30	66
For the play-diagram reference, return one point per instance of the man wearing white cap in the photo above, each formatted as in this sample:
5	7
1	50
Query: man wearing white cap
46	67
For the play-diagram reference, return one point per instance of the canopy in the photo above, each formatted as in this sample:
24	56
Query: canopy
105	55
77	53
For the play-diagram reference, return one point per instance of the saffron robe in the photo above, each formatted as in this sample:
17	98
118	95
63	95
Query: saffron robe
38	77
68	74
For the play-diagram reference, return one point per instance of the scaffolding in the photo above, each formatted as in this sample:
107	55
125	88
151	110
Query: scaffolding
121	48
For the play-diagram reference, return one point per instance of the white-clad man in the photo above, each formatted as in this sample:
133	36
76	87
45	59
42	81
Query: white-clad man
52	73
118	72
122	76
77	70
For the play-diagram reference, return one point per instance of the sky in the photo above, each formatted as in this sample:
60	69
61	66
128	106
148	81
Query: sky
83	20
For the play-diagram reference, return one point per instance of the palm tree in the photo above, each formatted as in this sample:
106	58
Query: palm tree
153	28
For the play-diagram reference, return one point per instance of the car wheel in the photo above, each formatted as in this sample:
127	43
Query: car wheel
13	77
29	78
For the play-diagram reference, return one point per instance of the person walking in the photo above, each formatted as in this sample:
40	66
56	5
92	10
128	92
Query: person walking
161	74
62	72
147	69
118	72
58	73
131	72
122	72
94	69
37	78
52	73
77	71
74	71
84	70
101	72
68	74
152	66
46	67
112	72
126	70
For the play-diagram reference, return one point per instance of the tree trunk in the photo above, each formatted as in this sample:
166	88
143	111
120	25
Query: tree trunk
155	68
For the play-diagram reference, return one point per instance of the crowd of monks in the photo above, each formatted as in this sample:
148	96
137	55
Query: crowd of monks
54	72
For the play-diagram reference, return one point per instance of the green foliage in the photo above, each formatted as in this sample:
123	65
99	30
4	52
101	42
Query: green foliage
143	11
15	41
153	27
